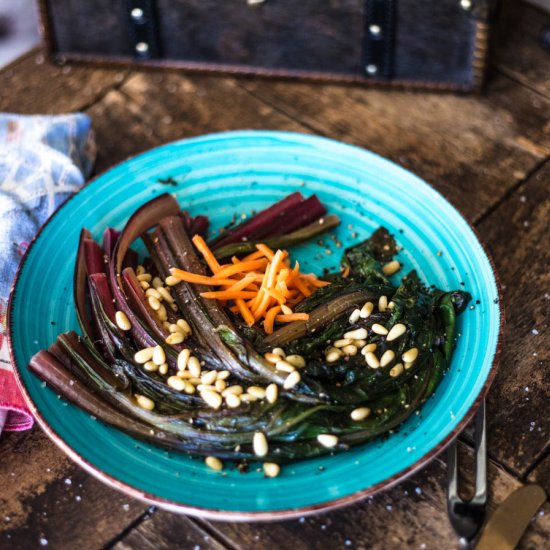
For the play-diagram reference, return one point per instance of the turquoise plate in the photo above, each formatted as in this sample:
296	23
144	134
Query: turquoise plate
234	173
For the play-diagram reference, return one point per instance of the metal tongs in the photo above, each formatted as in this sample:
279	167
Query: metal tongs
468	516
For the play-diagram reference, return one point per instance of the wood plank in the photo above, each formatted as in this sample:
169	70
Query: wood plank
516	47
410	515
154	108
517	235
471	148
32	84
165	531
46	496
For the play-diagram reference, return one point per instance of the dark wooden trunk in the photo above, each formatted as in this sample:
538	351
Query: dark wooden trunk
421	43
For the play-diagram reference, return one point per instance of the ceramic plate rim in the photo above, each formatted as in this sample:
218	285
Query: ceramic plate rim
227	515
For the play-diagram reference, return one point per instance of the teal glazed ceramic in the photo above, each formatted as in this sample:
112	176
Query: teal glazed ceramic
228	174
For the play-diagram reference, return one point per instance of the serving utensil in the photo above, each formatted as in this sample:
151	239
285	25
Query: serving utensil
468	516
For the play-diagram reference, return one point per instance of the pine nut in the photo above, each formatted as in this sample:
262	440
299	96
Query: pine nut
144	284
279	351
410	355
372	360
161	313
350	350
397	370
271	393
272	357
223	375
165	294
145	277
360	414
256	391
214	463
284	366
333	355
122	321
166	325
286	309
184	325
189	388
145	403
220	385
154	303
327	440
144	355
359	343
176	383
185	374
194	380
354	317
387	357
151	367
159	357
209	377
163	369
342	342
366	310
291	380
140	270
369	348
271	469
391	267
379	329
396	331
194	366
296	361
232	390
157	282
206	387
382	303
259	444
152	293
171	280
357	334
233	401
183	358
212	398
175	338
408	365
391	305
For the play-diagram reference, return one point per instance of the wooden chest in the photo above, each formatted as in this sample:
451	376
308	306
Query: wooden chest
421	43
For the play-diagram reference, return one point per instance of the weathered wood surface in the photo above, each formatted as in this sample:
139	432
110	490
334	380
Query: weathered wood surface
489	155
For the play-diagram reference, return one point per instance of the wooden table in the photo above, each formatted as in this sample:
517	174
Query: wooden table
489	155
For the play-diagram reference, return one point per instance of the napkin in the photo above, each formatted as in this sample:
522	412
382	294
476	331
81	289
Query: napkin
43	160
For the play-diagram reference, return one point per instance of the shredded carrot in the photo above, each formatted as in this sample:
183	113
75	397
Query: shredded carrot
261	288
292	317
313	281
245	312
299	284
198	279
239	268
254	256
229	294
270	319
266	251
207	254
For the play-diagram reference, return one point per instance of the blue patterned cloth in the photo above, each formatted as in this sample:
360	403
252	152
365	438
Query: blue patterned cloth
43	160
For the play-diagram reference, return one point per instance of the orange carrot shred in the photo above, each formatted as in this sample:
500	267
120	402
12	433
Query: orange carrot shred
233	269
245	312
229	294
270	319
198	279
299	284
266	251
292	317
207	254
